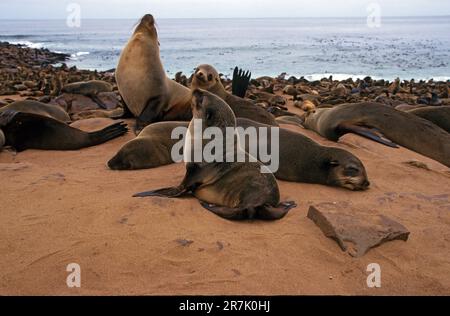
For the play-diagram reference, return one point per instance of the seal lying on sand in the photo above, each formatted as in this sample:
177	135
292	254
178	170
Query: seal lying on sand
150	149
301	159
232	190
89	89
143	84
372	119
206	77
439	115
35	107
31	131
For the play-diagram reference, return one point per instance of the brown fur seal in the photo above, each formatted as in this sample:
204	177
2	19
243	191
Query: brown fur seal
143	84
35	107
232	190
439	115
206	77
369	119
31	131
151	148
89	89
301	159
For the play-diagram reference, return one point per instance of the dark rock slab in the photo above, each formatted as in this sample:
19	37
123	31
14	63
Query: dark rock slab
355	230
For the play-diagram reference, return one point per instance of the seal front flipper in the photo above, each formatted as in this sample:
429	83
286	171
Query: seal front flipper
370	133
227	212
166	192
150	114
240	82
268	212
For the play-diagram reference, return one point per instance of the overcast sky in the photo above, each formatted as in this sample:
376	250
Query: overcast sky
56	9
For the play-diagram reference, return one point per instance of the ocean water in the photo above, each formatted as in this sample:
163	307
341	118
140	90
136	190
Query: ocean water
346	47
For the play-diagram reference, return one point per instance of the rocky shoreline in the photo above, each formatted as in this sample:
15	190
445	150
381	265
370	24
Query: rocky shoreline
40	74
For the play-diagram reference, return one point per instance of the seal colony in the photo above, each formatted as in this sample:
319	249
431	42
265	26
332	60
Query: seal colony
400	113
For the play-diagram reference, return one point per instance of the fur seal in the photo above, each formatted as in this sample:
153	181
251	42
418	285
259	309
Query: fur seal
151	148
206	77
32	131
369	119
232	190
35	107
301	159
143	84
89	89
439	115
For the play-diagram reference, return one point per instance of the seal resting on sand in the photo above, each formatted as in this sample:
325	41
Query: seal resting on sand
32	131
382	124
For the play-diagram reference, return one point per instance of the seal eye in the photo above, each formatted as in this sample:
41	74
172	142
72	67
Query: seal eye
210	77
208	115
334	163
351	171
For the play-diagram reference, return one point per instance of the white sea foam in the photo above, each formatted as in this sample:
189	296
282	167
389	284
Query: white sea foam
28	44
79	54
340	77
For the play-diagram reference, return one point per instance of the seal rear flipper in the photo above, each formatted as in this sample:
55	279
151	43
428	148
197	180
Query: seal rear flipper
99	102
108	133
370	133
240	82
226	212
172	192
268	212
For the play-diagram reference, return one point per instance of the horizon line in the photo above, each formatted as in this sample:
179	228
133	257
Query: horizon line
224	18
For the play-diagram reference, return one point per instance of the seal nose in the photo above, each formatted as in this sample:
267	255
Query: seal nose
149	19
366	184
200	75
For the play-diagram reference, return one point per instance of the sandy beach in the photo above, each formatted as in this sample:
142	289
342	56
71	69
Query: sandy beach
67	207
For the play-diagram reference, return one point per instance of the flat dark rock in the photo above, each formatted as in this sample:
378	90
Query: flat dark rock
354	230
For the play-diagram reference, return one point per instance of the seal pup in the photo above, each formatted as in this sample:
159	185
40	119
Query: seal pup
143	84
89	89
207	78
32	131
232	190
382	124
35	107
439	115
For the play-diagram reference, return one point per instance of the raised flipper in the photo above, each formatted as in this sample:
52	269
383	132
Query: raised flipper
241	81
172	192
269	213
227	212
370	133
